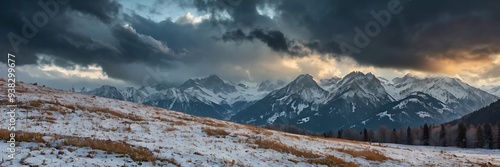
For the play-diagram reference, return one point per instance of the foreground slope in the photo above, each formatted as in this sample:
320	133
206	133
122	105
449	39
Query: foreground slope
141	135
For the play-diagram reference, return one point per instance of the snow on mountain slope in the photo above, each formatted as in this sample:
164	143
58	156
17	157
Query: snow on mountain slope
354	98
213	89
329	84
169	138
289	104
415	110
305	87
363	85
107	91
134	95
175	99
452	91
494	90
268	86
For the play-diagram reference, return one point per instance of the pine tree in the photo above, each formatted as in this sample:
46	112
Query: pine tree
462	135
365	135
442	136
382	134
409	138
394	137
339	135
498	135
480	137
488	136
425	136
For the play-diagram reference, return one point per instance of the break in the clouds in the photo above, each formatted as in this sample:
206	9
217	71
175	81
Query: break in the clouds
253	39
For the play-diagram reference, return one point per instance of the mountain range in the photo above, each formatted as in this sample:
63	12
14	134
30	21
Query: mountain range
357	100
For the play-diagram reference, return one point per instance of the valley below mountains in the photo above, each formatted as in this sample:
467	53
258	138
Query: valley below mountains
356	101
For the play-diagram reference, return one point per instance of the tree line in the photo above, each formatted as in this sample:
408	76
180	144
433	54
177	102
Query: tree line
460	135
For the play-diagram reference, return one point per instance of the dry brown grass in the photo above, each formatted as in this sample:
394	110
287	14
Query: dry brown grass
257	130
372	155
103	110
47	113
22	136
53	108
140	154
169	129
280	147
161	119
484	164
215	132
211	122
338	140
332	161
49	119
180	123
21	90
242	134
292	136
36	103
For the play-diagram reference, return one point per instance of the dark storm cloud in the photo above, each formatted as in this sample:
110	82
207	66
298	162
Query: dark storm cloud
92	32
243	12
67	44
55	37
418	34
105	10
274	39
492	73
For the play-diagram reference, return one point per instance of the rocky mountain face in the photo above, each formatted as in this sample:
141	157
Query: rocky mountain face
357	100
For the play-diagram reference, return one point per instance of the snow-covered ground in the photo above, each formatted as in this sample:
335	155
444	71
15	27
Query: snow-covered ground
187	140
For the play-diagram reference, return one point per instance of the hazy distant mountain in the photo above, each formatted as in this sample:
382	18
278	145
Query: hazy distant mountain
494	90
268	86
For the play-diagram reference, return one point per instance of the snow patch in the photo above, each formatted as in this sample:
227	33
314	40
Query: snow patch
423	114
384	114
303	120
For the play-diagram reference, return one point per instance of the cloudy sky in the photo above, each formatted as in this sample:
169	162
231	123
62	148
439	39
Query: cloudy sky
65	43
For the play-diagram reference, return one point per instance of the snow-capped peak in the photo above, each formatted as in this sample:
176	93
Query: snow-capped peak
451	91
306	87
363	86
